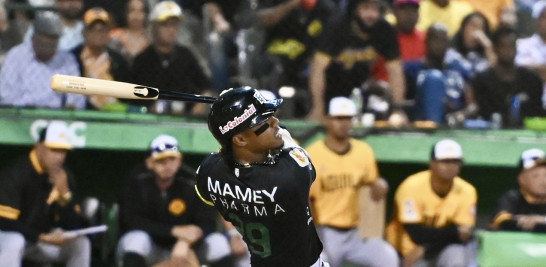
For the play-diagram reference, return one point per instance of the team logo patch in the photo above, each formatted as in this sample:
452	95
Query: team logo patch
300	157
177	206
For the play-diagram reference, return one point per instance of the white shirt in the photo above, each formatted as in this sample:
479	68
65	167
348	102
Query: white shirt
25	81
531	51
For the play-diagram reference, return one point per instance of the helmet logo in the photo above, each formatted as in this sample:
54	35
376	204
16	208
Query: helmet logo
238	120
260	97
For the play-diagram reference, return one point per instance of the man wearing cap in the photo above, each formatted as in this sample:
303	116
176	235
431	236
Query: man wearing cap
531	51
163	218
26	72
435	212
344	165
37	206
525	209
70	12
165	64
94	57
362	35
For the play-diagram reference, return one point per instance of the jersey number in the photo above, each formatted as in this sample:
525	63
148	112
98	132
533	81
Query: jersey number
256	233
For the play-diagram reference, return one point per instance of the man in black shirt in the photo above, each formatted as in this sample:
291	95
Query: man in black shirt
36	199
260	181
525	209
162	215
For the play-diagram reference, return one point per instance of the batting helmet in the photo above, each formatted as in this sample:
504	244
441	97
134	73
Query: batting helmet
237	110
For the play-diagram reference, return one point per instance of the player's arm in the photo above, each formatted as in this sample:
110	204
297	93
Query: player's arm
506	217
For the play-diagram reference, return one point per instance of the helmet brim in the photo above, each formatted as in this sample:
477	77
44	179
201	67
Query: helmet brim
270	107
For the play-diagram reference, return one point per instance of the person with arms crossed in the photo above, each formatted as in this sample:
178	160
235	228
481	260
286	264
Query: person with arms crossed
435	212
260	180
164	219
344	165
37	206
525	209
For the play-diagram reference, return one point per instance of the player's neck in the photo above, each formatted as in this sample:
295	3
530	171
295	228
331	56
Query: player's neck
441	186
338	145
245	157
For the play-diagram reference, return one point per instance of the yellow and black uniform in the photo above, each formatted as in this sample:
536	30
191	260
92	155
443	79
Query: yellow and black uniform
340	177
513	203
415	203
30	205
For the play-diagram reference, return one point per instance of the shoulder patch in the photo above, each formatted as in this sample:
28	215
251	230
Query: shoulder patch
300	157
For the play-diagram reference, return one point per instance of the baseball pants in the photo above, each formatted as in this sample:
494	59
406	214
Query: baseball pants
14	248
346	246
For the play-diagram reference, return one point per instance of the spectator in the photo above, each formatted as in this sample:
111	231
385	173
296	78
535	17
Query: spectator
98	61
133	38
438	88
447	12
9	33
525	209
166	65
163	218
70	12
292	33
532	50
513	92
472	48
339	67
344	166
410	40
26	73
435	212
497	12
38	205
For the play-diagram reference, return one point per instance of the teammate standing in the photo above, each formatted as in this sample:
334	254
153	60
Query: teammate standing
260	181
344	165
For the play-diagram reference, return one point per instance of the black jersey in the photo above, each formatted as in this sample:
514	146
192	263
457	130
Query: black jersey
513	203
268	204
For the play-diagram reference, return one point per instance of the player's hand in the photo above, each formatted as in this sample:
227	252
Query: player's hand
379	189
59	179
482	39
54	238
413	257
528	222
465	233
189	233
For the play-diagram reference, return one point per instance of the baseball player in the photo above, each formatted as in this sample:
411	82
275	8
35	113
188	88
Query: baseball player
260	180
435	212
344	165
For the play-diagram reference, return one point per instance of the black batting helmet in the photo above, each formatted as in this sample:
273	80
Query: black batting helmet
237	110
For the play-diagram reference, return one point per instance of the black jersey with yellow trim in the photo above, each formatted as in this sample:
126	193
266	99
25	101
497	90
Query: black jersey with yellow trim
268	204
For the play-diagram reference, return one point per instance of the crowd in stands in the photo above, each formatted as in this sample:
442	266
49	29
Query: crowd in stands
305	51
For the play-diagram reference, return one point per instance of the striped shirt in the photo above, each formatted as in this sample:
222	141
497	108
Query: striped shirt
25	81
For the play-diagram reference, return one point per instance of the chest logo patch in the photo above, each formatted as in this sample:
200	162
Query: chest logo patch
300	157
177	207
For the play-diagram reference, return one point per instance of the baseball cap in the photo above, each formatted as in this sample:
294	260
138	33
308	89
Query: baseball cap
55	136
165	10
341	107
531	158
48	23
447	149
164	146
406	2
96	14
538	8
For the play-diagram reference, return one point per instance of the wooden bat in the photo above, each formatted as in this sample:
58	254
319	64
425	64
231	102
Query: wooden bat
89	86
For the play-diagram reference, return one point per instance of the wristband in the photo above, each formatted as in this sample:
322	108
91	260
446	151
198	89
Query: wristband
233	232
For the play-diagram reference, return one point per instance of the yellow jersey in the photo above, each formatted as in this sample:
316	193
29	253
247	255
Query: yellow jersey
335	192
451	16
416	202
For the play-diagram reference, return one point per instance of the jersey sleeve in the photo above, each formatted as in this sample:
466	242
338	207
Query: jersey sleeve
505	208
407	205
202	182
370	164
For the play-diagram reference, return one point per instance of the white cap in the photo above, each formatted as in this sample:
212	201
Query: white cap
531	158
164	146
538	8
165	10
55	136
341	107
447	149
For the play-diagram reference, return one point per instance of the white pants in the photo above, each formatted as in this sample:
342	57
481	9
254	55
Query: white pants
13	248
454	255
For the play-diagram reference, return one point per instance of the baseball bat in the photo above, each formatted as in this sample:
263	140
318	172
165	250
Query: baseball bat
89	86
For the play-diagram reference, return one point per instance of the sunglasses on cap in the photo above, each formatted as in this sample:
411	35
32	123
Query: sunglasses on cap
164	147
